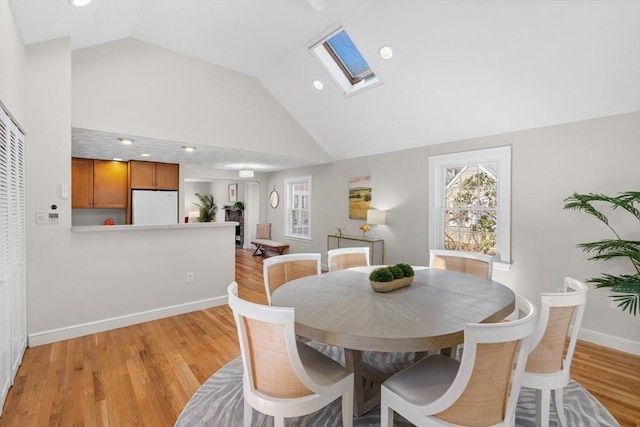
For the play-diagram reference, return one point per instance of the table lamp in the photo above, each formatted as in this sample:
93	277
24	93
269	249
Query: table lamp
376	217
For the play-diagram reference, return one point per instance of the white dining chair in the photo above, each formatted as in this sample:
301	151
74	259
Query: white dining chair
462	261
548	365
282	376
343	258
481	389
278	270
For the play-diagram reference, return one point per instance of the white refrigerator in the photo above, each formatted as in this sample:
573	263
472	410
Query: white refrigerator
154	207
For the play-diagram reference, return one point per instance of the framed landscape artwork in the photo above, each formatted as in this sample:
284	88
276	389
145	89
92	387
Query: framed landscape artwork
233	192
359	197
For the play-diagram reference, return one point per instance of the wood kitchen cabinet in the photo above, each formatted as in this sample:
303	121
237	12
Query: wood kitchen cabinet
98	184
153	175
81	183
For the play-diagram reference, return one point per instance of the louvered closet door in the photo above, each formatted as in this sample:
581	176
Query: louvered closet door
17	259
5	294
13	331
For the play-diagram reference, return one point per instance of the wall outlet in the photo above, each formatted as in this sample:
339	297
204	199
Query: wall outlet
190	277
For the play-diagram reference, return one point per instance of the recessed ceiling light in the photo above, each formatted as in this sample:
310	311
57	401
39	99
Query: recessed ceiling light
145	155
386	52
318	84
125	141
117	159
188	148
79	3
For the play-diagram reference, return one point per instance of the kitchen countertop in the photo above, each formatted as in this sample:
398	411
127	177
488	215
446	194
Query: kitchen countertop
111	228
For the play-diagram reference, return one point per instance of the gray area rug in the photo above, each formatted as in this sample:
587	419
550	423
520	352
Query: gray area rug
219	401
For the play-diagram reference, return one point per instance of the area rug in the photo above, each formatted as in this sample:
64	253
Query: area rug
219	402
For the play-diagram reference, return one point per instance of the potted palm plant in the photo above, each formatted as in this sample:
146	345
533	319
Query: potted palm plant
207	207
625	287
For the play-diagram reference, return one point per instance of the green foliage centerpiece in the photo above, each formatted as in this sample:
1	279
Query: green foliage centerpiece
390	278
625	287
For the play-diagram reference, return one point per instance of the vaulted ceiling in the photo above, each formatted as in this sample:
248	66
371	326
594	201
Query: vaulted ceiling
460	69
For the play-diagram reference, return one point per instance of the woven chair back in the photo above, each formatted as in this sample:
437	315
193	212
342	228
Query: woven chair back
547	356
272	372
284	272
484	400
463	265
348	260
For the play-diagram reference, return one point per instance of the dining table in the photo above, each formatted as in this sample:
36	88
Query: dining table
340	308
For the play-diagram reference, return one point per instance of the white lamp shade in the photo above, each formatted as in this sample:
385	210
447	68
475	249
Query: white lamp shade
376	217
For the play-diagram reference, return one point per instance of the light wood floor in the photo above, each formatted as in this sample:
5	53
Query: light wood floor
145	374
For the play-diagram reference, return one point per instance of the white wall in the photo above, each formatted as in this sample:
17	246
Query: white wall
548	165
136	88
12	64
80	283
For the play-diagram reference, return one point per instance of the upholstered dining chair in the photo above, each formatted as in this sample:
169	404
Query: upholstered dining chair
283	377
481	389
548	365
465	262
343	258
281	269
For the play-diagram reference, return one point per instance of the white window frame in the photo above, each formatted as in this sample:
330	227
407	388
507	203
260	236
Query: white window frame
288	185
329	64
437	164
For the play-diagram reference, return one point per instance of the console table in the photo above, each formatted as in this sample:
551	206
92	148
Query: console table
376	246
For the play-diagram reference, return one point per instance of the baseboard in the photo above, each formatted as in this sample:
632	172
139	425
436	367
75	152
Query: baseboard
617	343
75	331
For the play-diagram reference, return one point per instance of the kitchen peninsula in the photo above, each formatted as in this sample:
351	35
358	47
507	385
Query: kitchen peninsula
128	274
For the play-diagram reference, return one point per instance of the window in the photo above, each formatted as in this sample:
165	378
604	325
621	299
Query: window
469	202
298	207
340	57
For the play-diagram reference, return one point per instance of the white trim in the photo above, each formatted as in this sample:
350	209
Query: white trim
75	331
605	340
288	183
499	155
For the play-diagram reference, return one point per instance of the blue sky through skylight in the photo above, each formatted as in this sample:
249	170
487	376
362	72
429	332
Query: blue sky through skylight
349	55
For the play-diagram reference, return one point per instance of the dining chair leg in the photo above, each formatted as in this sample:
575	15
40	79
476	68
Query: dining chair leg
558	400
386	416
248	413
542	407
347	408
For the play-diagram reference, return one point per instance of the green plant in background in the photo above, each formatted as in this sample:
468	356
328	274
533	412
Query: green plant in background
207	207
238	206
626	287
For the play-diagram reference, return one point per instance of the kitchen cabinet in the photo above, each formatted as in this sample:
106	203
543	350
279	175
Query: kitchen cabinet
98	183
153	175
81	183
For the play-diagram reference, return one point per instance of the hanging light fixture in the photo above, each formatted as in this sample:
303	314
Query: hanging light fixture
245	173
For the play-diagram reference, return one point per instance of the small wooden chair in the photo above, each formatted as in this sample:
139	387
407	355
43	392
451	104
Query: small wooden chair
481	389
281	269
343	258
548	367
464	262
283	377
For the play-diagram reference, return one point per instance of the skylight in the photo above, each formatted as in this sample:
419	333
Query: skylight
340	57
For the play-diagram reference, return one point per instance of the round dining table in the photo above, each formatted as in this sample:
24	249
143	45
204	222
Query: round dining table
341	308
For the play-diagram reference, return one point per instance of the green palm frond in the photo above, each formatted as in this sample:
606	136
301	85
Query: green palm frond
207	207
608	249
625	287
